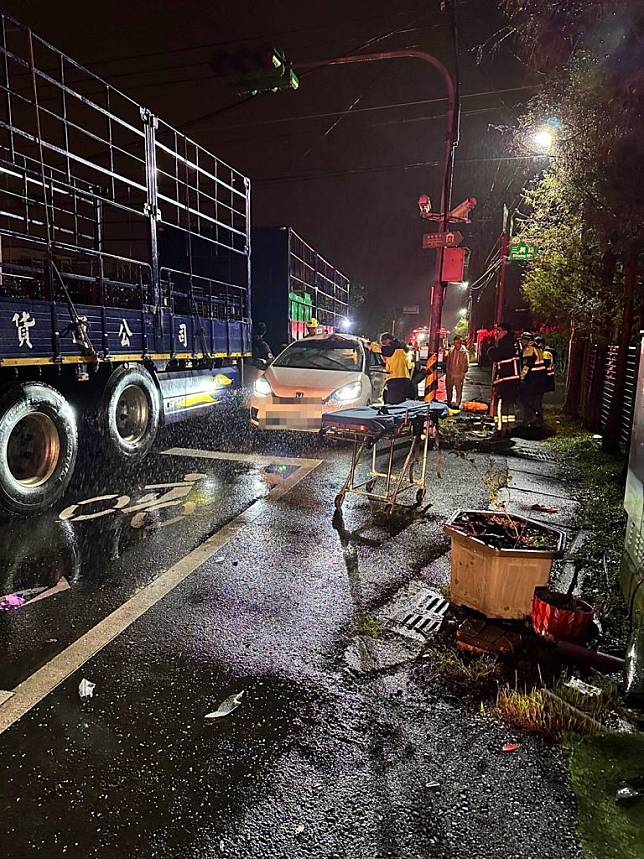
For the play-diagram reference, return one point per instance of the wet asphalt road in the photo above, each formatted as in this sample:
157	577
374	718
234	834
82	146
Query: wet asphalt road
322	758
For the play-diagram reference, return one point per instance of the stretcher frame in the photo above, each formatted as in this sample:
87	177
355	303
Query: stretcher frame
419	430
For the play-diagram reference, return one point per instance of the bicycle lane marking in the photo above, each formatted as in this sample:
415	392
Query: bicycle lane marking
16	703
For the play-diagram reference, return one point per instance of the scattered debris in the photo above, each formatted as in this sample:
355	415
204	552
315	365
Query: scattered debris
226	707
479	636
219	560
61	585
630	790
432	785
299	829
86	688
9	602
510	747
544	508
582	688
505	531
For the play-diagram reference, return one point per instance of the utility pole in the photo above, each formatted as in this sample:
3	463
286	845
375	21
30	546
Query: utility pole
451	142
503	268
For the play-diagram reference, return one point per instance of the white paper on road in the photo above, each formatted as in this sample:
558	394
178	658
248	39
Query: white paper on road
226	707
86	688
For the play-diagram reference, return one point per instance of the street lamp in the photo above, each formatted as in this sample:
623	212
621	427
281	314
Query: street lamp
462	312
346	324
542	139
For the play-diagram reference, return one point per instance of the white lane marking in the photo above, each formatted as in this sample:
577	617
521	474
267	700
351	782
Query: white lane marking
15	704
252	458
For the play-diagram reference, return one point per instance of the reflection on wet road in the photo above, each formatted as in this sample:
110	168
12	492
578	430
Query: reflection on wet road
110	544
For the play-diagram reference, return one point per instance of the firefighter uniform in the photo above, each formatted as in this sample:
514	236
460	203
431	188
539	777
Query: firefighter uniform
506	379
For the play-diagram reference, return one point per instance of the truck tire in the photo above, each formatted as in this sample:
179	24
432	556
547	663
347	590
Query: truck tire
128	417
38	447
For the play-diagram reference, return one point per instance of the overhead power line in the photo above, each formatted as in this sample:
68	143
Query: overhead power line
381	168
261	37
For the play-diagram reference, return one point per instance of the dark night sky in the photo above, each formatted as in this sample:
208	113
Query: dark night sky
346	189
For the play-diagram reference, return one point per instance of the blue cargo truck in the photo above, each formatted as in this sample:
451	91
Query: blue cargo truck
292	285
124	272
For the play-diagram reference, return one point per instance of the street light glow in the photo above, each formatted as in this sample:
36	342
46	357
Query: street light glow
542	139
346	323
462	311
465	284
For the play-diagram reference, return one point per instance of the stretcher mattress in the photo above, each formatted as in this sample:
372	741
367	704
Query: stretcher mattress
372	420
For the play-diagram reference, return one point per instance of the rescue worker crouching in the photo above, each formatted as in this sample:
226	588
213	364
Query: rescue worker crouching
398	384
506	379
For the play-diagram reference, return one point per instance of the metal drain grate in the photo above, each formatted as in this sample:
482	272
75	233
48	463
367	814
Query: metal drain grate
424	618
536	455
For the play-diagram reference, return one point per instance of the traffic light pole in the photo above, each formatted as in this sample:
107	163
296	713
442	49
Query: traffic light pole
451	142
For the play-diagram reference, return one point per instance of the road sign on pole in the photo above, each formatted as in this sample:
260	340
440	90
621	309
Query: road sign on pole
411	309
442	240
523	251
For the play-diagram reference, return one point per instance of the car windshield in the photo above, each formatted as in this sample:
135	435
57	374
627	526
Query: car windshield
322	355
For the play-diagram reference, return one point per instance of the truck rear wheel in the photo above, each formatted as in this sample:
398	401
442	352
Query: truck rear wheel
129	413
38	447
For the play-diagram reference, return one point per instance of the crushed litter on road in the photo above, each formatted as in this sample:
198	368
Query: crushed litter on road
226	707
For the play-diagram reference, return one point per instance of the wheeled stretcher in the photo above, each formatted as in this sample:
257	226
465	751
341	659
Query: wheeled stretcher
413	423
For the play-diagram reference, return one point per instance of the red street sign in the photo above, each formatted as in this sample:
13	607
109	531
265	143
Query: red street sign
442	240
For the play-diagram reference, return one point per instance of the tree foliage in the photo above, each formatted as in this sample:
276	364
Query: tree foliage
588	203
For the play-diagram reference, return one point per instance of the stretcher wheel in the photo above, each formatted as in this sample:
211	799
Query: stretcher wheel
419	496
339	501
369	485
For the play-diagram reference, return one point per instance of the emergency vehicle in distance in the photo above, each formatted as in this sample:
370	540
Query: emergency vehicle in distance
124	272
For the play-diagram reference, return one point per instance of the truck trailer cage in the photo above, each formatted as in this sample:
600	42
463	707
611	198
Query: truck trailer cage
119	236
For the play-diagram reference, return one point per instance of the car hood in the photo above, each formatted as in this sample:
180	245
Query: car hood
287	381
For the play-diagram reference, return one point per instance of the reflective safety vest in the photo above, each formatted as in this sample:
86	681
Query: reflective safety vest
507	370
397	365
533	367
549	361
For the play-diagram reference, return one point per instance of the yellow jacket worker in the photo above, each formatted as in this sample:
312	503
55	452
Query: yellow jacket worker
398	386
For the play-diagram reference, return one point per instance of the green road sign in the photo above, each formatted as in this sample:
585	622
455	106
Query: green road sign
523	251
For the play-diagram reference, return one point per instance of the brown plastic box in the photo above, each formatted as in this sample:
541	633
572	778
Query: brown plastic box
499	582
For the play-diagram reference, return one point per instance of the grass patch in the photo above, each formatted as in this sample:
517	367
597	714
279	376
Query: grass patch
370	626
476	677
551	714
597	765
597	480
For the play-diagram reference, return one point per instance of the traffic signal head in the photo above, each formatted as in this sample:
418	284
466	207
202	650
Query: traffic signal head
256	70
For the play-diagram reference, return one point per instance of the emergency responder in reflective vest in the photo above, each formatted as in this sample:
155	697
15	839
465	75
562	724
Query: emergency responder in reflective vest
313	327
506	378
398	386
533	381
549	362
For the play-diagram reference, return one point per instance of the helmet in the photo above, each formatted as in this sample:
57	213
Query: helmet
313	323
539	341
526	336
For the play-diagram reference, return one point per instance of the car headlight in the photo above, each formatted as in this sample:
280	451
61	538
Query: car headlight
262	388
346	393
